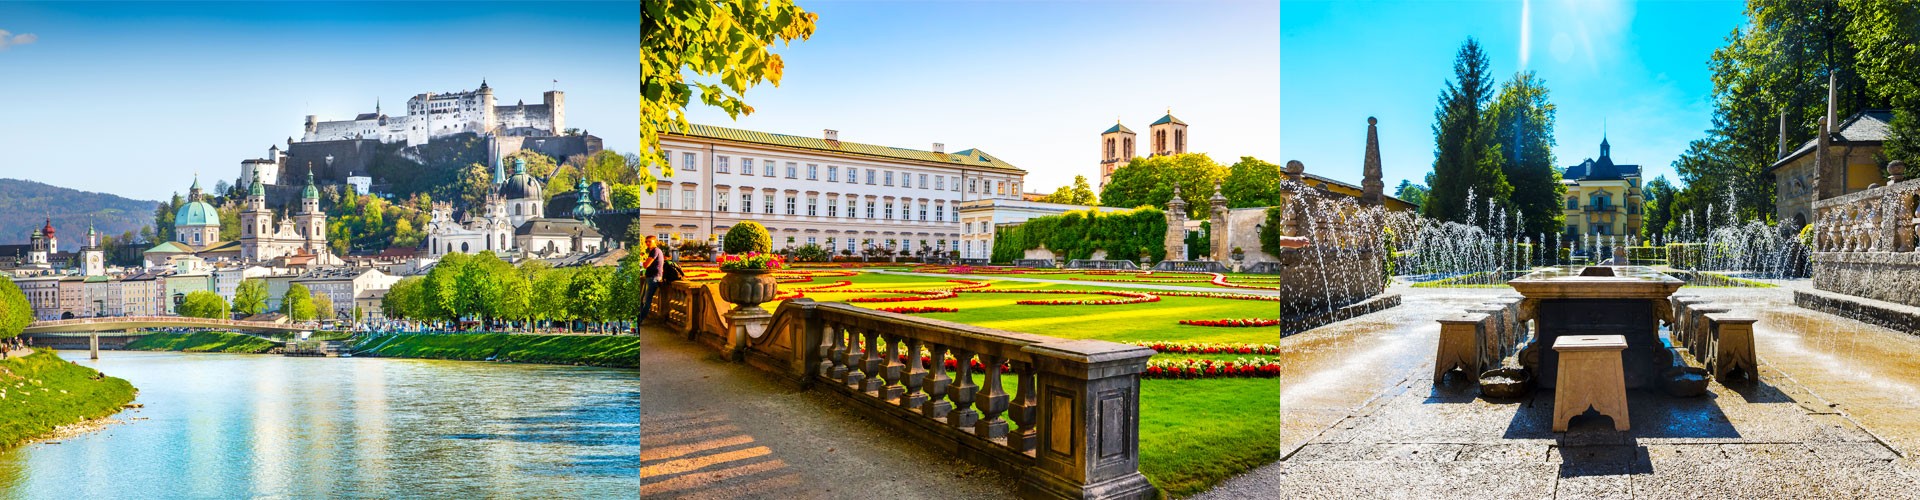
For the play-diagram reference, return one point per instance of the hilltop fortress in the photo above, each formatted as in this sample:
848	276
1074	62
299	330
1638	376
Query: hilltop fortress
375	152
431	116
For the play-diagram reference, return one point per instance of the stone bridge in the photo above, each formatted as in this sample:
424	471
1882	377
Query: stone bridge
124	323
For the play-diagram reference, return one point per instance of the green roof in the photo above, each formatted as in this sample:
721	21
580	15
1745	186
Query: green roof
256	189
1169	119
309	193
196	213
170	247
1117	127
969	158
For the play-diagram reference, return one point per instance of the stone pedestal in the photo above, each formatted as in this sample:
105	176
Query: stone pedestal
1590	377
744	325
93	346
1089	421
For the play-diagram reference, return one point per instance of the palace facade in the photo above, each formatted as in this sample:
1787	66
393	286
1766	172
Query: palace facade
842	196
1602	198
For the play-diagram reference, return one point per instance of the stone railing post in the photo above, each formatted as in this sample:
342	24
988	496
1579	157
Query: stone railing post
1089	420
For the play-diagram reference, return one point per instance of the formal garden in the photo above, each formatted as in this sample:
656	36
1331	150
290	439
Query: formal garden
1209	396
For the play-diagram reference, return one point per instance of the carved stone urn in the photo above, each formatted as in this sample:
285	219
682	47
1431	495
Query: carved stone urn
748	288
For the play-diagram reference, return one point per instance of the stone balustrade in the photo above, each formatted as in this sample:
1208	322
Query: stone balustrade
1882	219
1060	415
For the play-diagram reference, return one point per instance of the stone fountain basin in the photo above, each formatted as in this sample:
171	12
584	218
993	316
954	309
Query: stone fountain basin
1596	282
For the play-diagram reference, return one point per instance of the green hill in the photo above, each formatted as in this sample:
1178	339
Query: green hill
25	206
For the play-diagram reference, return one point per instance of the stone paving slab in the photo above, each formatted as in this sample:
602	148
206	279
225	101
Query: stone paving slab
714	429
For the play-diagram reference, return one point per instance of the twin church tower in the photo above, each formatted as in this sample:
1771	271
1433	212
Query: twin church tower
1169	136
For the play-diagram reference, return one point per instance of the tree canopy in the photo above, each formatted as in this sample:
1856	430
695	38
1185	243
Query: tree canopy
250	296
1150	182
724	39
203	304
15	312
1521	120
1250	183
1080	193
297	302
1467	159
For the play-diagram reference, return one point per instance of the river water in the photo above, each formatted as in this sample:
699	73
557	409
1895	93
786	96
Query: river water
246	426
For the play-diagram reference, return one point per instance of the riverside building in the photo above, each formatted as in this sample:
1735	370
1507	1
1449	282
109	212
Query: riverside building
841	196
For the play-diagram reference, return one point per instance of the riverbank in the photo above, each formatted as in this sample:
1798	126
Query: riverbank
618	351
202	342
41	394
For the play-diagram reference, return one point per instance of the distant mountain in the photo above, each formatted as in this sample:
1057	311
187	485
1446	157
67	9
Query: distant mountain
25	206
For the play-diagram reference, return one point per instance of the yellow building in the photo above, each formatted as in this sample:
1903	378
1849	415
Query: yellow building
1602	198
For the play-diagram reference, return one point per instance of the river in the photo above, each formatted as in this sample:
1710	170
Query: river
242	425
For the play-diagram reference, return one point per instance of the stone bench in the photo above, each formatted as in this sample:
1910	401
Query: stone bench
1729	347
1698	329
1679	326
1463	344
1590	376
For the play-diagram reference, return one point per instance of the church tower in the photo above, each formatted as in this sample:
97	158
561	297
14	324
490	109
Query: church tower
310	222
254	220
1116	149
92	258
1169	135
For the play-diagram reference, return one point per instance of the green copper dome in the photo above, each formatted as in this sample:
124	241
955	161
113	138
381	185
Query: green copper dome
310	192
583	206
256	189
196	213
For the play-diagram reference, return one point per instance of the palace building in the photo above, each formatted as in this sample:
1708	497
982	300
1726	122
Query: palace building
841	196
1603	198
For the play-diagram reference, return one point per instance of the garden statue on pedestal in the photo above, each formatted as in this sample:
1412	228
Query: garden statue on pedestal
748	283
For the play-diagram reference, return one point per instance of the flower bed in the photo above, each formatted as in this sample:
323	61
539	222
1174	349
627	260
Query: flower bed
1221	279
1218	295
916	310
1127	298
1243	322
1209	348
1208	368
836	284
917	295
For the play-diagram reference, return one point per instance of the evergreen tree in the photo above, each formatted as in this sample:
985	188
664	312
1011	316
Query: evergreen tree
1521	119
1466	160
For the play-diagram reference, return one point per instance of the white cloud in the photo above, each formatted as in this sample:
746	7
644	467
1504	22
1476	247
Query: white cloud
8	39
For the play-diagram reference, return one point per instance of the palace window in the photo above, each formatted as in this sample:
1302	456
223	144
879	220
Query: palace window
889	210
746	166
972	185
812	201
793	170
833	173
746	202
720	203
665	198
790	204
869	207
768	204
691	199
923	210
1573	203
833	208
813	172
889	178
768	170
851	211
939	212
939	183
923	181
720	165
687	163
870	175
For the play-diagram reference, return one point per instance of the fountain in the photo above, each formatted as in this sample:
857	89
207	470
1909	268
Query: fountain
1630	301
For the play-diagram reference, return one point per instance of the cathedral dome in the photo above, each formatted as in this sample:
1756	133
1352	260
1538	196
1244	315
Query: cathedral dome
520	186
196	213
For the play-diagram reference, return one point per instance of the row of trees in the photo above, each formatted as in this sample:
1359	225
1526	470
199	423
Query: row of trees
483	287
299	303
15	312
1777	68
1077	234
1496	146
1249	182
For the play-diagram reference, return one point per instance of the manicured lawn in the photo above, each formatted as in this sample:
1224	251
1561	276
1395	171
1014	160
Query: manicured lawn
202	342
1193	433
598	350
40	392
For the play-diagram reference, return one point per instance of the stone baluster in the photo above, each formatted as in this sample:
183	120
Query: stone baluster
890	369
993	401
963	415
914	377
937	405
856	354
836	353
1025	408
871	365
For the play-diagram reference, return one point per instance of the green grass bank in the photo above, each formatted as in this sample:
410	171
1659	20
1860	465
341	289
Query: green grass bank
202	342
594	350
41	392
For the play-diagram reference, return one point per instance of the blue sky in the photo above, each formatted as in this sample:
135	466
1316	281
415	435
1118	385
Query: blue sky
134	98
1639	68
1033	83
